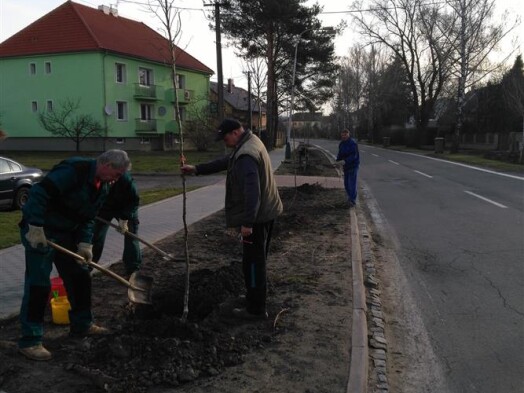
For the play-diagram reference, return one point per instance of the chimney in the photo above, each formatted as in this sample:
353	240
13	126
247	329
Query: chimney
230	85
104	9
113	11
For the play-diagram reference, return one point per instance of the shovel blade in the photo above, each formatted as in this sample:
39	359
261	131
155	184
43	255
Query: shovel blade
141	291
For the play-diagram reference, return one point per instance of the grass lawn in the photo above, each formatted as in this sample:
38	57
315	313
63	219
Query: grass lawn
142	162
480	161
9	219
475	159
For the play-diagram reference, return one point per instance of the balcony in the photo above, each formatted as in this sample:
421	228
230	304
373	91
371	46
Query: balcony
146	92
184	95
146	126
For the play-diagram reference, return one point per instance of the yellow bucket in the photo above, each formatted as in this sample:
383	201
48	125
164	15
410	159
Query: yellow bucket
60	310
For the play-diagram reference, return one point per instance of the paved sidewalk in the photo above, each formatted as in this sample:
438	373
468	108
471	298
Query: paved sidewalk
157	221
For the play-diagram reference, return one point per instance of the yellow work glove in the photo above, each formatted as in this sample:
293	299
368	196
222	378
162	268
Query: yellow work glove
36	236
122	225
85	250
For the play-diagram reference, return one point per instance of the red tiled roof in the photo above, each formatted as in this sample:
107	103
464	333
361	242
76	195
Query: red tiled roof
72	27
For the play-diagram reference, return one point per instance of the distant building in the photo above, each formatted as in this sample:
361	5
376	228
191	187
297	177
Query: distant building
117	68
307	120
236	105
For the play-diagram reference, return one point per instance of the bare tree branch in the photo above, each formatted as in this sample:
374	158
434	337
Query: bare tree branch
63	121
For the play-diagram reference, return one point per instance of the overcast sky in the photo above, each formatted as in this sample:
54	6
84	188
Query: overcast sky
197	39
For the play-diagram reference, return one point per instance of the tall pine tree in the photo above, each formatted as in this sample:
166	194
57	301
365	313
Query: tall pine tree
269	29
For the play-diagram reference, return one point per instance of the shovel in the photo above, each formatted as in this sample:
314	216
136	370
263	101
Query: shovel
138	286
165	255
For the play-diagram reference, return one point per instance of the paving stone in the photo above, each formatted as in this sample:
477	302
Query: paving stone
378	354
380	339
375	291
379	363
374	344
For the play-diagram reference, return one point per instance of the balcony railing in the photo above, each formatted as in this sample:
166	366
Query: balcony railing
184	95
146	126
146	92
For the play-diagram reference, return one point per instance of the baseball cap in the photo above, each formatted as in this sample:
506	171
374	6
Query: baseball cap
227	126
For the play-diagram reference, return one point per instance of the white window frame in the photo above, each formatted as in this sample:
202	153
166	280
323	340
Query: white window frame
180	81
145	76
121	111
120	71
146	112
182	112
49	105
120	141
32	68
34	106
145	140
47	68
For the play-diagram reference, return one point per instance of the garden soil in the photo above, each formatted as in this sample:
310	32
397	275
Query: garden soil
303	346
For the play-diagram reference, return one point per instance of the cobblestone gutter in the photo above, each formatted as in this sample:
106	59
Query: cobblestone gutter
378	346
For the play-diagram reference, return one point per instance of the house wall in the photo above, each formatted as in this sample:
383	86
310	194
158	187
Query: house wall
72	77
91	79
196	84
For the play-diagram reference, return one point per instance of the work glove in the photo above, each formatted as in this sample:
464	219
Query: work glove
85	250
36	236
122	226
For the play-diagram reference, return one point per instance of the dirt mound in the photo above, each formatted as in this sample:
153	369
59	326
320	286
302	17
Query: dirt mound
303	346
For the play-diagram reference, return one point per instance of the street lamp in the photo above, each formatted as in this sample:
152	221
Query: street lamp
330	30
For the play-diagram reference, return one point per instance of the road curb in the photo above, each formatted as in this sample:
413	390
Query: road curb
358	373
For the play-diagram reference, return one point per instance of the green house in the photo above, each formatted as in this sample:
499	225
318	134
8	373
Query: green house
114	69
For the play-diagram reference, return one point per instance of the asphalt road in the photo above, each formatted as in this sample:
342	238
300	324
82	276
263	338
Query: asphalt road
460	243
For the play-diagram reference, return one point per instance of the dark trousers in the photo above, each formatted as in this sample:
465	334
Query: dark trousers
350	183
255	252
132	255
37	286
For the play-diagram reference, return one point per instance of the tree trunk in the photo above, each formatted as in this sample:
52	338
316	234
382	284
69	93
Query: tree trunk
462	81
271	94
522	141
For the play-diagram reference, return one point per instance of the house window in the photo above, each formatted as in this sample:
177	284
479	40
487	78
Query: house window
180	81
32	68
120	141
145	141
145	76
121	110
146	111
49	106
120	71
47	67
34	106
183	113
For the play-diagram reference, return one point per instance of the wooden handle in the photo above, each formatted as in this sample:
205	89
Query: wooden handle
130	234
94	265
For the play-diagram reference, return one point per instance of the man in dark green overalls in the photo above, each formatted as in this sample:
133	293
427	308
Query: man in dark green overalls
62	208
122	204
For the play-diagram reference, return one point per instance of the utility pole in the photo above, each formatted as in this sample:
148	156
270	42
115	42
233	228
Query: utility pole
220	79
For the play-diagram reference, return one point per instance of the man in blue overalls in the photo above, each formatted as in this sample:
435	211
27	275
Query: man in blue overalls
348	151
62	208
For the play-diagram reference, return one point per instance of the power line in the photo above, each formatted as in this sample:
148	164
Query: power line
152	4
145	3
376	9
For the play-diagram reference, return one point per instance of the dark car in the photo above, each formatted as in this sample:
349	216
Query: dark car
15	182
